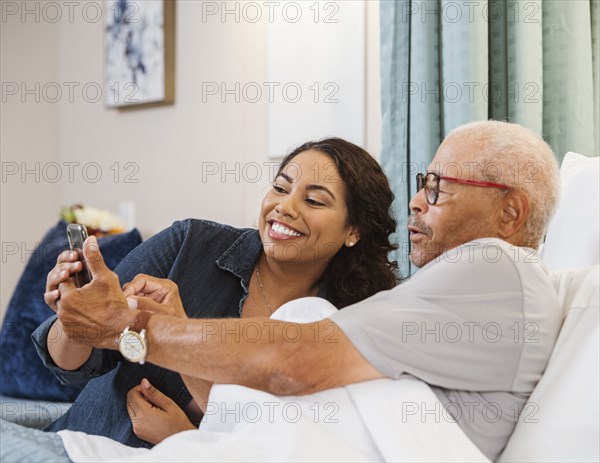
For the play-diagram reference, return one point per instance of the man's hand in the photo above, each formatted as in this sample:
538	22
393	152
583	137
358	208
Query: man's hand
157	295
98	312
154	415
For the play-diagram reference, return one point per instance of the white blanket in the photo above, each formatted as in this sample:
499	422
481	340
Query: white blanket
382	420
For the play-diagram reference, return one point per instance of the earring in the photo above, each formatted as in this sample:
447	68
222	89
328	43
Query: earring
351	243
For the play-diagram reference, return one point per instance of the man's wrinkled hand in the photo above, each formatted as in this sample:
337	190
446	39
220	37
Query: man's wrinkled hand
96	313
154	416
157	295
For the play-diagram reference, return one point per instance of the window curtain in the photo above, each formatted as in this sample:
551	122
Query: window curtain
448	62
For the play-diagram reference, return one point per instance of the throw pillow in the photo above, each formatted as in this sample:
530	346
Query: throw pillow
22	372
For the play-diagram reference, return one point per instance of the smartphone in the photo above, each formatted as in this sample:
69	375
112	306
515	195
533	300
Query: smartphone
77	234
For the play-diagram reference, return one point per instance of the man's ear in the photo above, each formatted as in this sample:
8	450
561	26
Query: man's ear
513	215
353	236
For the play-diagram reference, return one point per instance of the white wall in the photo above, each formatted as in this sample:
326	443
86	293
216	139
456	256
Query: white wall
169	146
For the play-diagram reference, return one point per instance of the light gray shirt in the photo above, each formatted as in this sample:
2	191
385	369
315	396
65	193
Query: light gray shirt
478	324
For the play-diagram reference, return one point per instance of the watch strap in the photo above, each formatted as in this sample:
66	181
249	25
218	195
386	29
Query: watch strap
140	321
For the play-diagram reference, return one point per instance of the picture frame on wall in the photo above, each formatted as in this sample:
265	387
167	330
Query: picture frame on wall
139	53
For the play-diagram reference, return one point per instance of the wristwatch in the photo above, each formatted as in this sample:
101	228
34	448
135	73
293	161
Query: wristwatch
133	344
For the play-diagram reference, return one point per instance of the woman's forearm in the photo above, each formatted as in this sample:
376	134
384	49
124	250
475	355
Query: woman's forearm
199	388
65	353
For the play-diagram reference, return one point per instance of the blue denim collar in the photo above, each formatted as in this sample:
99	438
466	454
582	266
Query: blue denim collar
241	257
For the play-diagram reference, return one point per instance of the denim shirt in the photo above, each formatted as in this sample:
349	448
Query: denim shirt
212	265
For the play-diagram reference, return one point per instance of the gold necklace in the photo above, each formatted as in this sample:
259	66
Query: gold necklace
262	289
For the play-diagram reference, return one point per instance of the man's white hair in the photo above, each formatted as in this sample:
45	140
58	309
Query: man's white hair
516	156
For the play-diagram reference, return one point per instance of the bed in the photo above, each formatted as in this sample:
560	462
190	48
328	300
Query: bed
560	422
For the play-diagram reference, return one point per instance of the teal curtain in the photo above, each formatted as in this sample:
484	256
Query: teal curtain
448	62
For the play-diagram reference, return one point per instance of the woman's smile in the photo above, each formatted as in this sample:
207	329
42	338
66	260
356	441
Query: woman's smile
304	217
282	231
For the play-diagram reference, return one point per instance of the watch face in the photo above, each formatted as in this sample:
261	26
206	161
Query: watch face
132	346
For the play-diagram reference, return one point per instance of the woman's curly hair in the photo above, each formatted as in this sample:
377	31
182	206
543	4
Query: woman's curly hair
360	271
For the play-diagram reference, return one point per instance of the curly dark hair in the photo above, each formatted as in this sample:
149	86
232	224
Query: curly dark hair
363	270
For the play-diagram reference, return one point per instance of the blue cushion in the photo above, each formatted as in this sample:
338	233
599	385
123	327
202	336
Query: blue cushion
22	372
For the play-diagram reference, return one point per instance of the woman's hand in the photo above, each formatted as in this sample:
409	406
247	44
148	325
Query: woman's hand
158	295
154	415
67	264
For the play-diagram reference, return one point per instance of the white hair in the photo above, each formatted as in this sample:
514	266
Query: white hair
517	157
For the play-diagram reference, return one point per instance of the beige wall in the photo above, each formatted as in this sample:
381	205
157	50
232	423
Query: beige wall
167	146
28	134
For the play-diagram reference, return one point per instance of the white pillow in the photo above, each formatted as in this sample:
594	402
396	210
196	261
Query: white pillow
573	238
560	421
304	310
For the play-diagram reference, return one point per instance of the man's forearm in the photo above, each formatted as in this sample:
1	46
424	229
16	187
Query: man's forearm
274	356
235	351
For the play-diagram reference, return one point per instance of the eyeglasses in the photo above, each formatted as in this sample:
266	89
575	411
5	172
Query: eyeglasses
431	182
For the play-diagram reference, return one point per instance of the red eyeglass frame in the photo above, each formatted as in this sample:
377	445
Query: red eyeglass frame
476	182
422	179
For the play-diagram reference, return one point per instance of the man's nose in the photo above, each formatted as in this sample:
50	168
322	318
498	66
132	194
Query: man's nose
418	203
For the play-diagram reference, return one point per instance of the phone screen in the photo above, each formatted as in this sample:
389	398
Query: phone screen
77	234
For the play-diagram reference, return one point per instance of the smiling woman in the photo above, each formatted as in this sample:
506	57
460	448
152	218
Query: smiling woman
337	200
324	230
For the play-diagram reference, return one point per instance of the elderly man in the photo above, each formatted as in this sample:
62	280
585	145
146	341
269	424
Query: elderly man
477	322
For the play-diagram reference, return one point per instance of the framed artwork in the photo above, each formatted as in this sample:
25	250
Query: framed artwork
139	53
